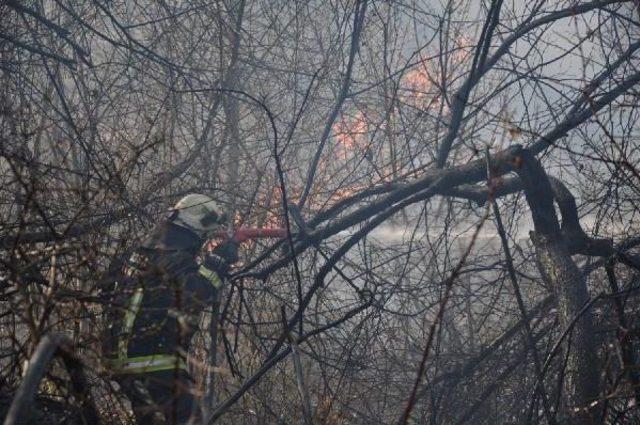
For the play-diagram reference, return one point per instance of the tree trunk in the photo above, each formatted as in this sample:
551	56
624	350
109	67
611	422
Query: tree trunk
581	381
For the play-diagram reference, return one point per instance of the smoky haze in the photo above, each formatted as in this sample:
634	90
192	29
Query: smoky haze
433	205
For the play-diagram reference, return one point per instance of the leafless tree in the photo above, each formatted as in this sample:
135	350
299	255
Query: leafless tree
458	181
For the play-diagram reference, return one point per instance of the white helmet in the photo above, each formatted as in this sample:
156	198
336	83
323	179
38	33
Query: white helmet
198	213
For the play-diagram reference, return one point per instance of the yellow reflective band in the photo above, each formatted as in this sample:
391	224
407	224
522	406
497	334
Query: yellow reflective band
129	319
211	276
146	364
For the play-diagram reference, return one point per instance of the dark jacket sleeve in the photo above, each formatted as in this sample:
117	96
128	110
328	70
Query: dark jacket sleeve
196	291
199	293
221	258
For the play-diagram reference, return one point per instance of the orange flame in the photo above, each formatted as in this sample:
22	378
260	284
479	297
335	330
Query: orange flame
353	130
351	133
418	85
418	88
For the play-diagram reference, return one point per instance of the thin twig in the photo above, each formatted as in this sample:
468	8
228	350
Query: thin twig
432	330
297	366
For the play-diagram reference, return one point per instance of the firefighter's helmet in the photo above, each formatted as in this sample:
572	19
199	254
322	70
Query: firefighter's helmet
198	213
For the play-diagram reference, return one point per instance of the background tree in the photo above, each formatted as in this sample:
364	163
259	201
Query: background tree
458	178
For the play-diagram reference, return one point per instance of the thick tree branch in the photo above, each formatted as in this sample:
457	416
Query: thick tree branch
22	409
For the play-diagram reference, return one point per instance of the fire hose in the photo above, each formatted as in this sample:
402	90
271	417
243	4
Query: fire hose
243	234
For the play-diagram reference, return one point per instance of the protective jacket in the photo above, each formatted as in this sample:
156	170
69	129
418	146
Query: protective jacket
158	300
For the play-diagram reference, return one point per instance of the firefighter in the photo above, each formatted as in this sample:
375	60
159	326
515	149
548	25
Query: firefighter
167	282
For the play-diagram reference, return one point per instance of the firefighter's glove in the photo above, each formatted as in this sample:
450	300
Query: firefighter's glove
228	251
221	258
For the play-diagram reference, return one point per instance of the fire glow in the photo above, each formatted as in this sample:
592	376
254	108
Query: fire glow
419	89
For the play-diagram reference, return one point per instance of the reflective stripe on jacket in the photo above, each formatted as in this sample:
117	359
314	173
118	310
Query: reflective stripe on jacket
153	362
146	364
